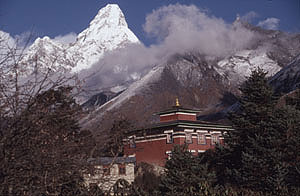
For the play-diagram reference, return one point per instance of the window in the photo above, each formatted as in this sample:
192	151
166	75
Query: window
188	138
201	138
122	169
215	139
106	170
132	142
169	138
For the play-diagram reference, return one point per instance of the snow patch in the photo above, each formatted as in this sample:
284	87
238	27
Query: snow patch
117	89
133	89
240	65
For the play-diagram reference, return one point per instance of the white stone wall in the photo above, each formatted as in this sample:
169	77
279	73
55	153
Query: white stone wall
105	182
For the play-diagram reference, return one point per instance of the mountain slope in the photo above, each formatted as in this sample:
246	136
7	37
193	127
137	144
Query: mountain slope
199	82
240	65
287	79
189	77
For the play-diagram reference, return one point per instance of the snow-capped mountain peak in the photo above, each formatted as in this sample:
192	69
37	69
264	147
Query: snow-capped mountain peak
109	18
111	14
49	54
106	32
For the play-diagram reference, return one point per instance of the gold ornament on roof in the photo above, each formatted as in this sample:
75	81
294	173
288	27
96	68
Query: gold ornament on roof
177	103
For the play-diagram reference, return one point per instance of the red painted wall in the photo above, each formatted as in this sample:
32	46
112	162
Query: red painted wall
154	152
177	117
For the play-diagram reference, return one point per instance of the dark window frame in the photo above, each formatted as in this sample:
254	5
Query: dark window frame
132	143
215	139
169	138
122	169
106	170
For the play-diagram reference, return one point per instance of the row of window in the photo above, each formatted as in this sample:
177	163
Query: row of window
121	170
201	138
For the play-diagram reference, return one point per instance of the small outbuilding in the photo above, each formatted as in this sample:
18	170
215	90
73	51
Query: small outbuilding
107	170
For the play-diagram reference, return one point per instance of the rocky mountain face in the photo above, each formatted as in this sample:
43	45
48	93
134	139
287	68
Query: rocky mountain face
281	47
99	99
188	77
287	79
240	65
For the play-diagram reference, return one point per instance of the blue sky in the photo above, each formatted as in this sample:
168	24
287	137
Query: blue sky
60	17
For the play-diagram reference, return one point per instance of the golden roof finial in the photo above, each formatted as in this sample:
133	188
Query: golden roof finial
177	103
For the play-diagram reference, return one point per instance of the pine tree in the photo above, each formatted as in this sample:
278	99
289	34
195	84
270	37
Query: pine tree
185	175
291	114
252	157
113	146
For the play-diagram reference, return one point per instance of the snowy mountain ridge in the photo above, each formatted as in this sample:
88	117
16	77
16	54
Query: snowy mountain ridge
239	66
106	32
135	89
45	54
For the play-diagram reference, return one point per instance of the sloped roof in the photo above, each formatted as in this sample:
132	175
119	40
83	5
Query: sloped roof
178	109
186	124
110	160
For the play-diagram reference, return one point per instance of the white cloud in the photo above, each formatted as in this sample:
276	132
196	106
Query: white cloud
248	17
269	23
181	28
66	39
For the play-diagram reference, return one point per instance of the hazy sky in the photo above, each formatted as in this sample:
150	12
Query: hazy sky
60	17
